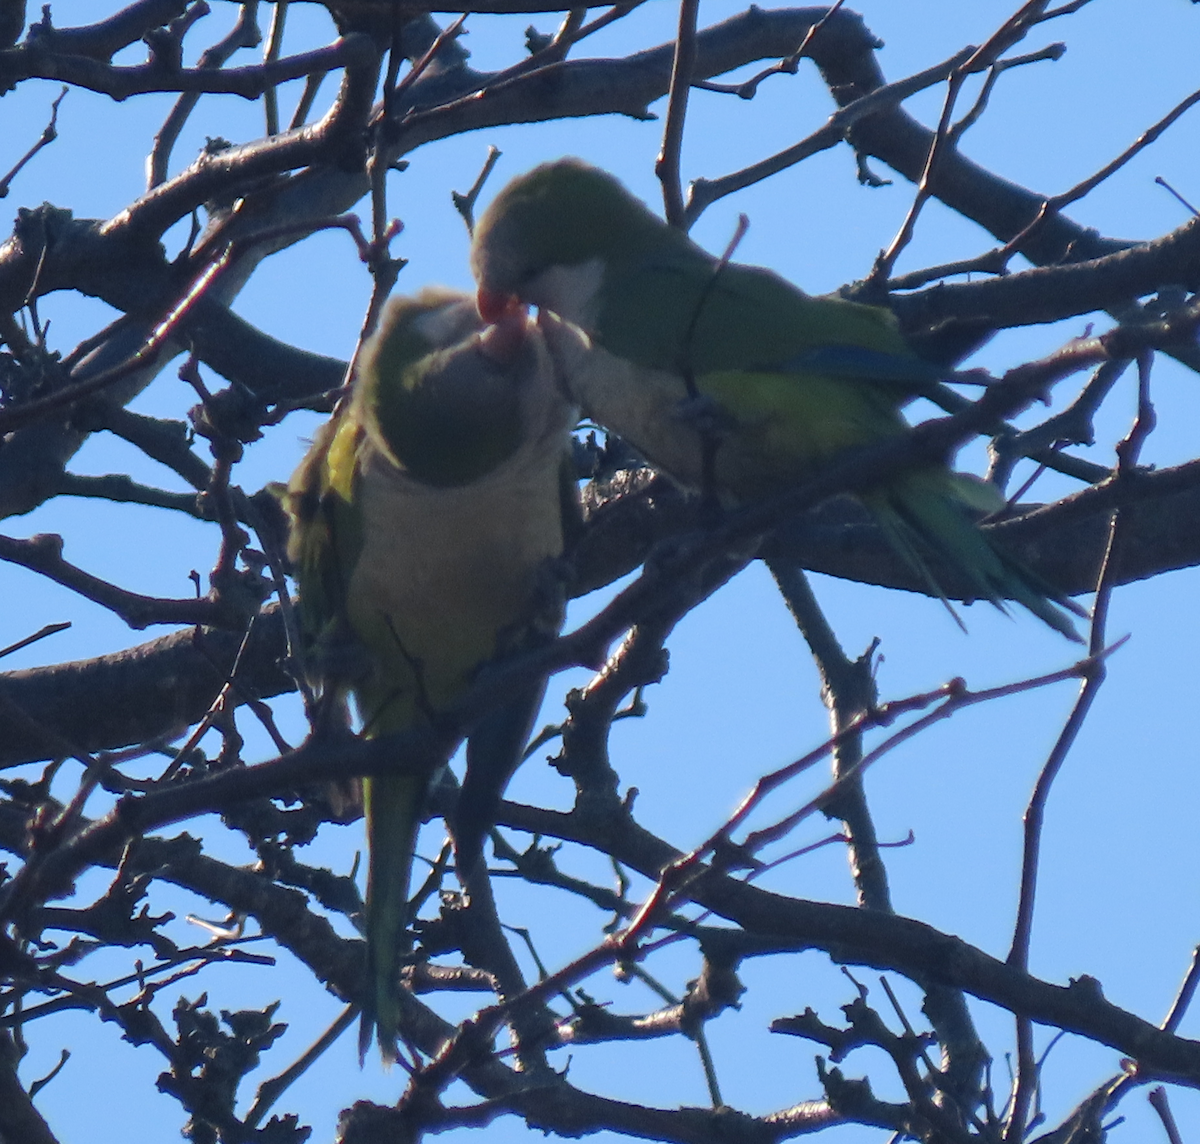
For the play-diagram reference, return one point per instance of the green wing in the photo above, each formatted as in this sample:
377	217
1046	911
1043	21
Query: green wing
800	380
420	520
677	307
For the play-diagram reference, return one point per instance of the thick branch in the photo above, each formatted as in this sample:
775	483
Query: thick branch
37	60
282	912
1062	542
1047	294
19	1119
102	40
1059	542
849	68
846	934
860	937
43	553
147	693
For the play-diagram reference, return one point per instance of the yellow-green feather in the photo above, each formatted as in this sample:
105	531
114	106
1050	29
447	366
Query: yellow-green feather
791	379
420	519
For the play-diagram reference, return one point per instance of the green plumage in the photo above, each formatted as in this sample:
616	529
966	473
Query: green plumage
422	520
789	380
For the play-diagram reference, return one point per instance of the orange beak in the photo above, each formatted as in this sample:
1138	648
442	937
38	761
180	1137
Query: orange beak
494	307
508	323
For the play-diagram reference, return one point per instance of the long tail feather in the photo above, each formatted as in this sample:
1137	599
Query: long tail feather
493	753
393	810
930	509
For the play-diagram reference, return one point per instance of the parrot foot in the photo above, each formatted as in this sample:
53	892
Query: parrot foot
707	416
338	660
543	618
714	424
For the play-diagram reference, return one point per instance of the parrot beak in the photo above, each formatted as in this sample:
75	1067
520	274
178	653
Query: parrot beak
493	307
504	339
507	318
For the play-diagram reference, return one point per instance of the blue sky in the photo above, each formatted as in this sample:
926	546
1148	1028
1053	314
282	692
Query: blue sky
1119	897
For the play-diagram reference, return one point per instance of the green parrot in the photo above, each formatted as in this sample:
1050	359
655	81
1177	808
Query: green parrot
728	376
424	520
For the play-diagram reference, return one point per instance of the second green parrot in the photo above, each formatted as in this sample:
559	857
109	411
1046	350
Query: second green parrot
423	522
692	357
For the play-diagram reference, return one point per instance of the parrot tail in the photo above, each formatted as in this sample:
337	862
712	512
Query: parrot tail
931	510
392	804
494	751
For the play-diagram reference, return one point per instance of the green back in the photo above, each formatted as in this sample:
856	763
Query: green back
666	303
676	308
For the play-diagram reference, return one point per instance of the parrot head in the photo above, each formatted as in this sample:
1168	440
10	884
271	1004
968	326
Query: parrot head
548	234
439	396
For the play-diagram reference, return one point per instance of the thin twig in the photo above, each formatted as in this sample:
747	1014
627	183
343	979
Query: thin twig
1157	1097
1055	203
788	65
17	416
183	753
1150	135
394	58
83	997
948	133
418	69
698	1036
954	696
43	553
556	51
244	34
666	167
465	204
36	1086
1184	997
951	697
1050	52
120	489
270	54
49	134
848	691
1171	190
271	1090
566	35
1074	425
882	270
40	634
1018	957
704	192
312	85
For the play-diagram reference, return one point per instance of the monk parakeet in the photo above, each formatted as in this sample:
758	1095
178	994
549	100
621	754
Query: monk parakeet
692	353
423	522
